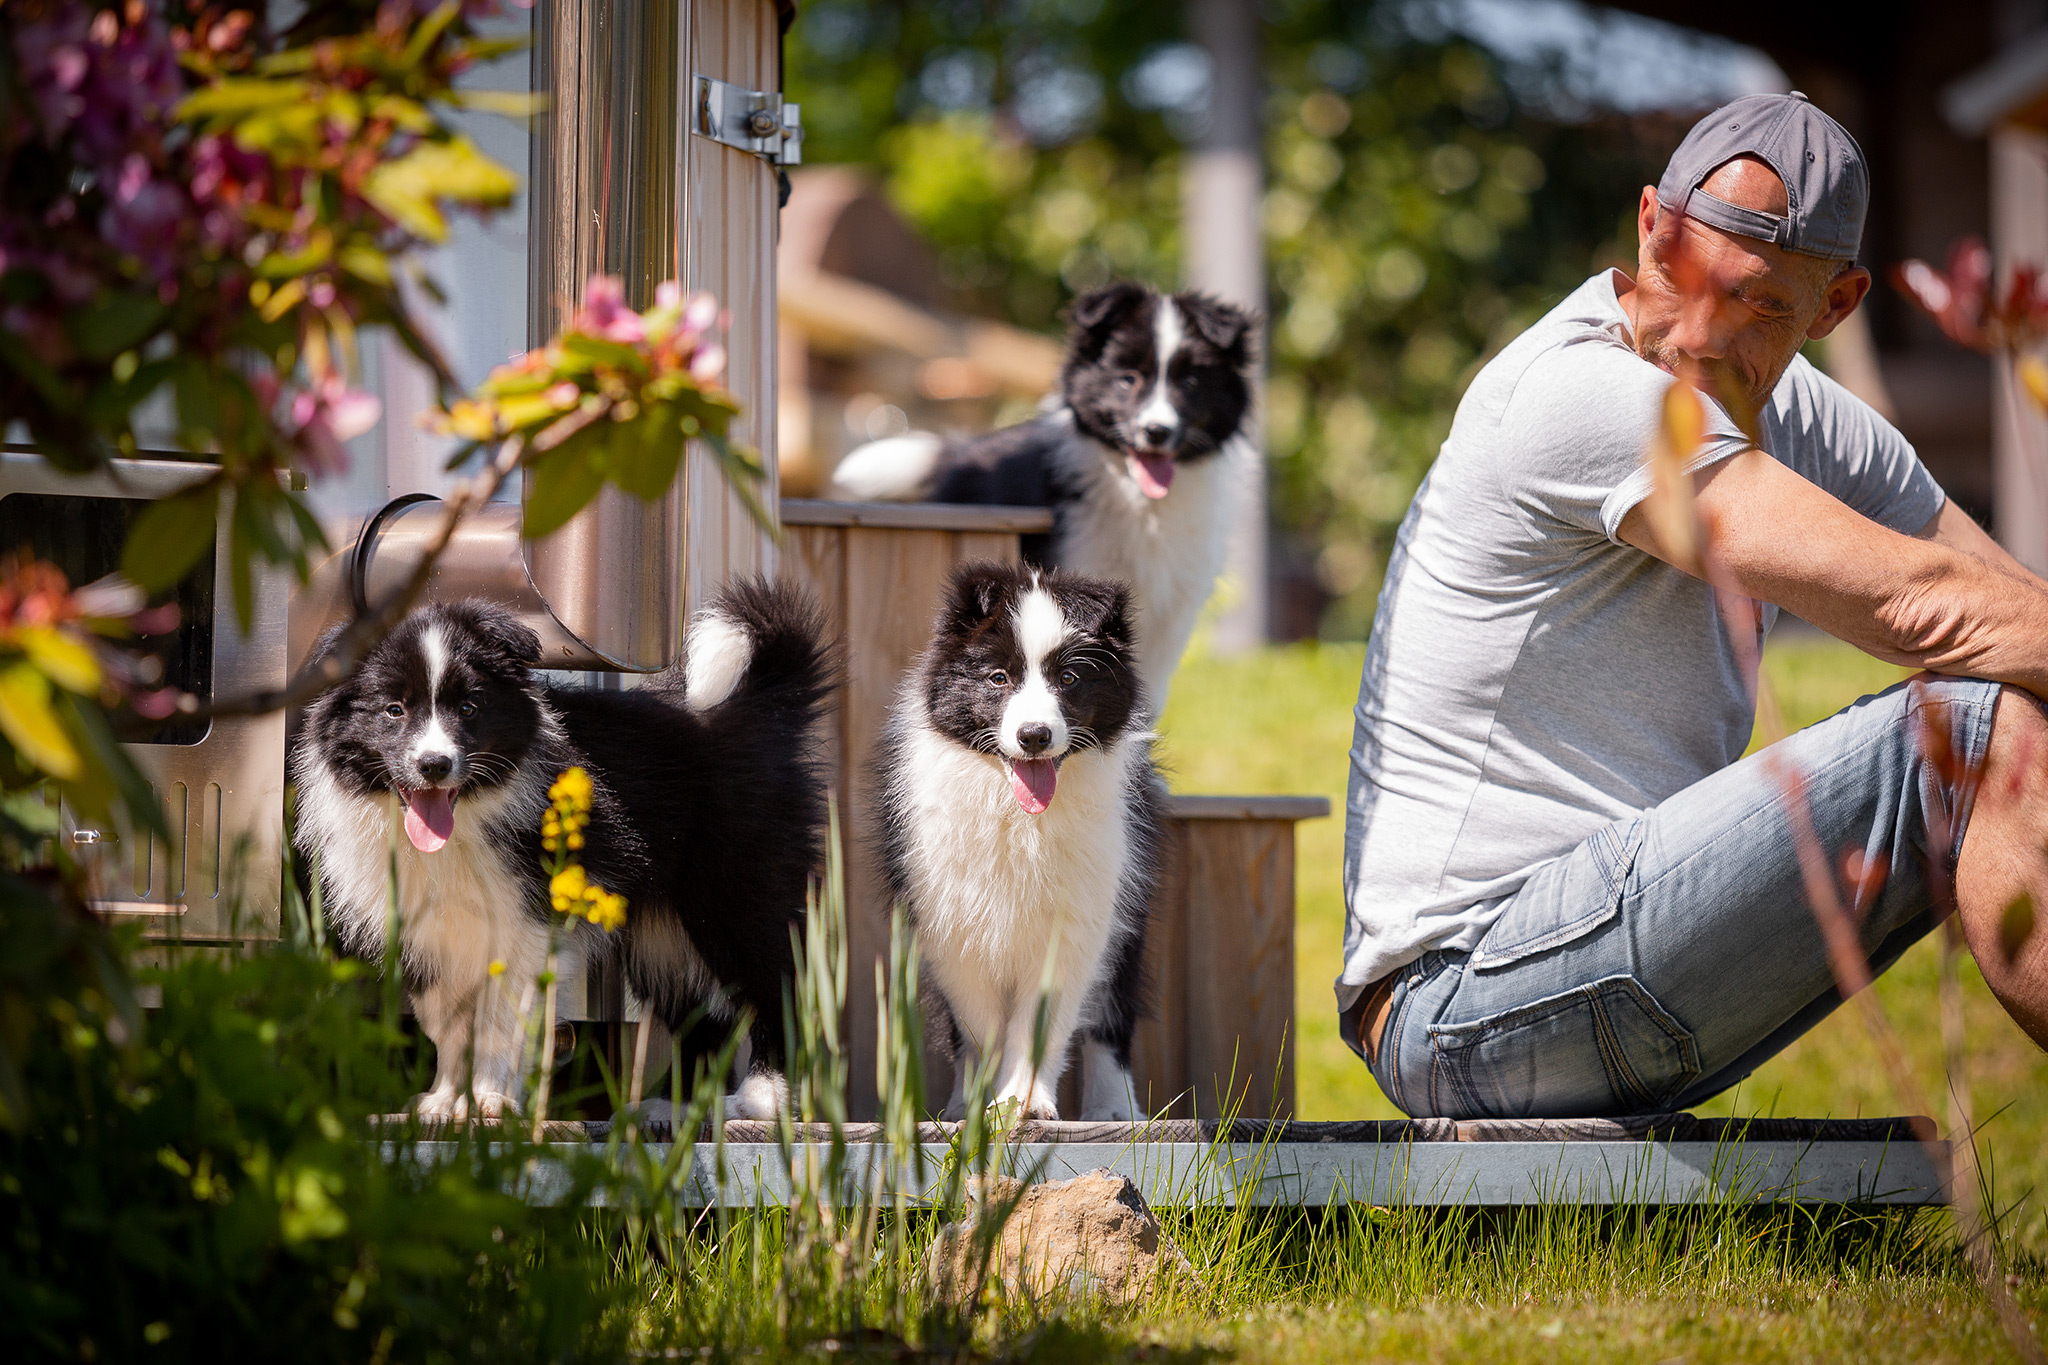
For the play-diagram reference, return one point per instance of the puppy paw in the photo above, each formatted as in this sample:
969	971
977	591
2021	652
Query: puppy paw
762	1095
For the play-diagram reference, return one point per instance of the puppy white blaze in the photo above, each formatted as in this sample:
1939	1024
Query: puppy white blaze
435	741
1167	336
1041	629
718	654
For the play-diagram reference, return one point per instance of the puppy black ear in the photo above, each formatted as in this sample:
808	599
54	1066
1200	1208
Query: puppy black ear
975	592
504	632
1225	326
1098	312
1100	606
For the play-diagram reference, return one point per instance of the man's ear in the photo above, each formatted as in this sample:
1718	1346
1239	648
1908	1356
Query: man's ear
1843	293
1646	217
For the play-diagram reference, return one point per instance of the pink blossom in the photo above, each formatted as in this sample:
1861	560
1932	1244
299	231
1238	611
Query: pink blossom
708	363
700	314
563	394
605	314
326	414
668	294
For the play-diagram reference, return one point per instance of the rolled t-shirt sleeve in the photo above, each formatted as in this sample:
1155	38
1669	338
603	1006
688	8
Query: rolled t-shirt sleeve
1581	420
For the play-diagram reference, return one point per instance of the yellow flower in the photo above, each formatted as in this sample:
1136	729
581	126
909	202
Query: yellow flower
571	792
497	966
567	889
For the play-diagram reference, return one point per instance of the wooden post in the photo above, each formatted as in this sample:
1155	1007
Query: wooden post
1220	954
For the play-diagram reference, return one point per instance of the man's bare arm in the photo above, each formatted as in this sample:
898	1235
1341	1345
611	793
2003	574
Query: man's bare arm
1948	599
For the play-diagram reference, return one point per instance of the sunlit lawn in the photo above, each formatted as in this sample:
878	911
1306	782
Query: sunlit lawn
1280	721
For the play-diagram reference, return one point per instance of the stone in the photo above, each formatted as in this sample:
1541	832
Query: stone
1088	1237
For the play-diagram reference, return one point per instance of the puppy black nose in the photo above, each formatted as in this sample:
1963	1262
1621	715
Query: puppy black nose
1035	738
436	767
1156	434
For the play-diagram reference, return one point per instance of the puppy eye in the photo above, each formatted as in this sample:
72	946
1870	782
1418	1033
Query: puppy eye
1068	677
998	678
1129	379
394	709
466	710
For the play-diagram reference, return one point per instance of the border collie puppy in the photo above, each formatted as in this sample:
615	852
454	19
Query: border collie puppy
1140	462
1021	821
707	815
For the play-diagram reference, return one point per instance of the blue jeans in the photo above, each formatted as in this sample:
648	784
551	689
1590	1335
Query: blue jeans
1673	952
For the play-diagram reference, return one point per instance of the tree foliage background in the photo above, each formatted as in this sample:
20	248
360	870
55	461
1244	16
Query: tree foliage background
1422	207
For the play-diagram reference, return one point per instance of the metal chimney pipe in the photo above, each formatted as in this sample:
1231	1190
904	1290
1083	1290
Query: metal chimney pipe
606	197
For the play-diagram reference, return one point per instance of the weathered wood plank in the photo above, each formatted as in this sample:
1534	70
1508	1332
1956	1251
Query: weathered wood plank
916	516
893	579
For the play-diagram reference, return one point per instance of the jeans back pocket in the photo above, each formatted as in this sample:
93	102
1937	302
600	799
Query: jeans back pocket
1605	1048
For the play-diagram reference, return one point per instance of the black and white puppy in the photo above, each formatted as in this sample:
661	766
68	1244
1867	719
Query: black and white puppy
707	815
1021	822
1140	462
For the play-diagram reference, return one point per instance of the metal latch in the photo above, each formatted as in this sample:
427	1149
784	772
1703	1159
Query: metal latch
754	121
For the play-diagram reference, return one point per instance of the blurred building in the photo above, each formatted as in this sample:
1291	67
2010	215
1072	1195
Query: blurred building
2005	101
867	347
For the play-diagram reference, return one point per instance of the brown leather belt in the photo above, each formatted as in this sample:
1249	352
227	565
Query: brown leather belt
1372	1014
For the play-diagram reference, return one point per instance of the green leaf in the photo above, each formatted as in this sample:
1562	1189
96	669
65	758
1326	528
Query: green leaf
2016	925
564	482
198	391
235	96
366	263
171	537
24	362
410	190
646	452
583	346
120	321
30	724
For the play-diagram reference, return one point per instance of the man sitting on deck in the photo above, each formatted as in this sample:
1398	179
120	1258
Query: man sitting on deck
1566	895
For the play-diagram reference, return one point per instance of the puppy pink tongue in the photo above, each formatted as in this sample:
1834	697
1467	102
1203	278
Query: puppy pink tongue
1153	470
429	818
1031	782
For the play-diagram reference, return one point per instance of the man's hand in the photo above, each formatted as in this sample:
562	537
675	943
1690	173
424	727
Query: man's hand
1949	599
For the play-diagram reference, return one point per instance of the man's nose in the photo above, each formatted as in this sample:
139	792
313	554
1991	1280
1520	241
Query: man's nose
1704	329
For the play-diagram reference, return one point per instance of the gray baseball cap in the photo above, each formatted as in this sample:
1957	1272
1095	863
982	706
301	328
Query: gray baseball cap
1827	185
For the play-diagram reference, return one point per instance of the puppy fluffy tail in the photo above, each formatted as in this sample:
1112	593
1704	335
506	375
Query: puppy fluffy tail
760	648
893	469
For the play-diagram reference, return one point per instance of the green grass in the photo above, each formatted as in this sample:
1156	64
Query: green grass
1280	721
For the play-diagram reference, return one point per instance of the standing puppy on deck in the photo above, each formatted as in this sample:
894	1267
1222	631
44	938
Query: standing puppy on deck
707	815
1141	462
1021	824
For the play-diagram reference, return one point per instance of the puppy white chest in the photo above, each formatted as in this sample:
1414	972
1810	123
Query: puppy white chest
460	908
999	890
1169	550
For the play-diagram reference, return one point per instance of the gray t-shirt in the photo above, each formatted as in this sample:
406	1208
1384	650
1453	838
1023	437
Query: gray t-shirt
1532	678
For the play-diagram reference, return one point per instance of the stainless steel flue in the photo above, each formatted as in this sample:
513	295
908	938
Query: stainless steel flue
606	197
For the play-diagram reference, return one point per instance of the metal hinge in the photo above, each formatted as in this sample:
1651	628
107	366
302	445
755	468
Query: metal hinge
754	121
